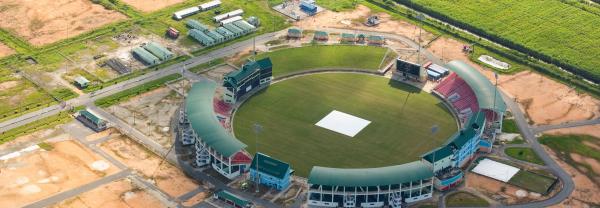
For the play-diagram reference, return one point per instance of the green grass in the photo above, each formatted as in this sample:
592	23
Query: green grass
48	122
532	181
524	154
292	60
23	97
338	5
465	199
564	145
401	117
559	32
46	146
129	93
510	126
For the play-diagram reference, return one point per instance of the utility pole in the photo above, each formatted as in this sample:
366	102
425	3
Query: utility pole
422	73
257	129
495	111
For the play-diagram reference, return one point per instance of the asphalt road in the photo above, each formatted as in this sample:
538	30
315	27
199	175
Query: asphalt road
543	128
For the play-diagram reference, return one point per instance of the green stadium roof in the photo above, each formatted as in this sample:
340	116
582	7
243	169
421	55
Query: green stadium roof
249	68
483	88
439	153
370	176
199	107
269	165
231	197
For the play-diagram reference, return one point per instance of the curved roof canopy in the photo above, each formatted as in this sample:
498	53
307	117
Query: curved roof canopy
484	90
370	176
200	112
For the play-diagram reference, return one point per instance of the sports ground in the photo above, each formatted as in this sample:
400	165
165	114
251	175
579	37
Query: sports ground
400	130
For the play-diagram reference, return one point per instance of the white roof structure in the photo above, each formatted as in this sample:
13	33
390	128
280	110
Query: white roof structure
438	68
233	13
230	20
185	12
343	123
209	5
495	170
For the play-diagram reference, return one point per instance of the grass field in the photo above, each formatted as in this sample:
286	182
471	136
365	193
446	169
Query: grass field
564	145
524	154
532	181
556	31
48	122
309	57
465	199
401	117
510	126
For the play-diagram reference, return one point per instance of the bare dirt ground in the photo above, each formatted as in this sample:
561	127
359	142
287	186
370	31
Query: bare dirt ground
5	50
151	113
38	174
151	5
200	197
593	130
167	177
544	100
586	191
117	194
495	189
47	21
355	19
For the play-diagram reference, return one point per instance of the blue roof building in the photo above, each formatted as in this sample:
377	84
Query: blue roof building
271	172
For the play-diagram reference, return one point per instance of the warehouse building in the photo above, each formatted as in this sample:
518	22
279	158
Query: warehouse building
179	15
209	5
202	38
247	27
234	29
271	172
225	33
145	56
159	51
230	20
219	18
194	24
216	36
253	74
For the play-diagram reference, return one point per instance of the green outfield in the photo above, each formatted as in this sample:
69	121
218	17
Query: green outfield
401	119
339	56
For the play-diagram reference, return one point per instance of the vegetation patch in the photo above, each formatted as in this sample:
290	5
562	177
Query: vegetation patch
564	145
40	124
533	181
524	154
129	93
465	199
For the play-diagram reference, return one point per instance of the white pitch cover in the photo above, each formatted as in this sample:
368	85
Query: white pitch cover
495	170
343	123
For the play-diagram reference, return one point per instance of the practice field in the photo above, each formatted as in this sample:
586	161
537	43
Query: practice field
401	119
296	59
555	31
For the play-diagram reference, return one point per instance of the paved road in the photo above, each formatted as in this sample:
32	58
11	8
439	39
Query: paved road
76	191
175	68
543	128
528	134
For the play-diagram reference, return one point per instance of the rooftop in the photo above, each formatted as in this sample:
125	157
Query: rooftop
269	165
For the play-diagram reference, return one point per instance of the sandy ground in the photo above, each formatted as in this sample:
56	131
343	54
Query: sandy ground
585	189
117	194
492	188
355	19
47	21
151	113
545	101
39	174
200	197
168	178
5	50
593	130
151	5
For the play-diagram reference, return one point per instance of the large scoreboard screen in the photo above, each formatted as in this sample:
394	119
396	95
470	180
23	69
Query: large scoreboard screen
408	67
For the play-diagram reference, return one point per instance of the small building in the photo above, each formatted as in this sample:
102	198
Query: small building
145	56
209	5
294	33
159	51
234	29
231	20
271	172
321	36
81	82
216	36
194	24
202	37
172	33
92	121
376	40
439	69
232	199
347	38
252	75
179	15
308	7
238	12
247	27
225	33
432	75
372	21
254	21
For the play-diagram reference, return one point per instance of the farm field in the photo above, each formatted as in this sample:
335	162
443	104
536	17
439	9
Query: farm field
296	59
401	117
554	31
48	21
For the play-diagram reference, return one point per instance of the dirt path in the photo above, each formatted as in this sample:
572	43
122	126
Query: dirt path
151	5
47	21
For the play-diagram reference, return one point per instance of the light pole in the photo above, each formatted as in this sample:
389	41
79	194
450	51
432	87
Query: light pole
257	129
494	115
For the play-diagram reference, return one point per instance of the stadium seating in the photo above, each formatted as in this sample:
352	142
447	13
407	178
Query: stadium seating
221	107
459	94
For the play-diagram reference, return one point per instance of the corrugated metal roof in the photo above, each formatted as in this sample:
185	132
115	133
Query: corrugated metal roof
295	31
215	35
199	107
232	197
233	28
370	176
159	51
210	4
201	37
269	165
196	25
230	20
233	13
481	86
224	32
81	80
145	56
244	25
91	116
